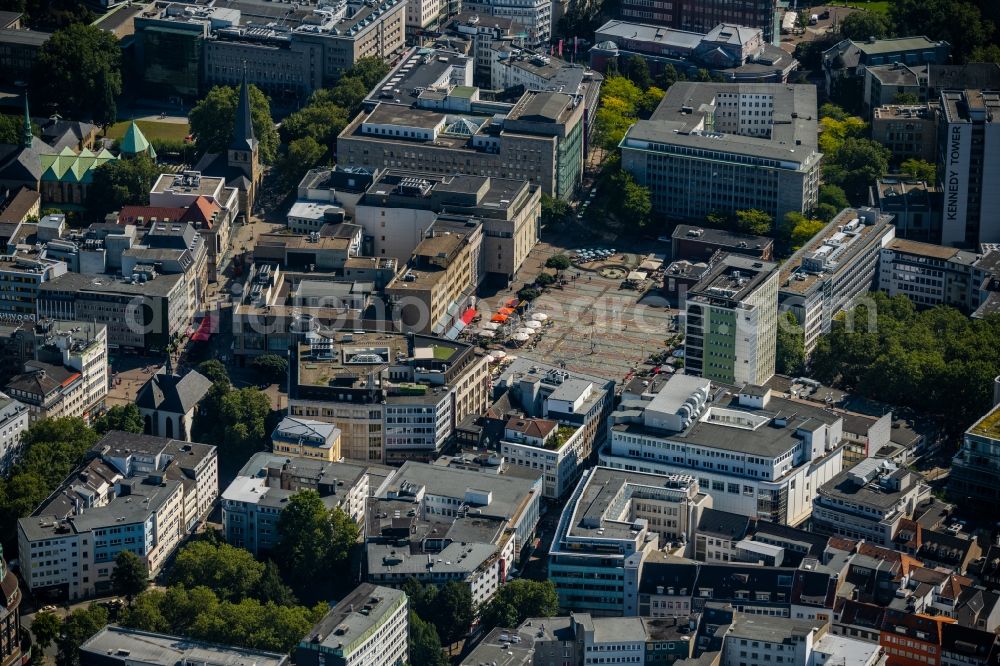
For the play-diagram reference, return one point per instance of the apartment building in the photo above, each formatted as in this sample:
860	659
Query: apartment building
967	167
975	474
400	207
754	453
883	83
868	501
394	397
848	59
14	420
731	319
143	311
135	492
303	438
437	524
723	147
120	646
835	267
555	421
183	49
701	15
369	626
613	516
252	503
429	118
22	274
931	275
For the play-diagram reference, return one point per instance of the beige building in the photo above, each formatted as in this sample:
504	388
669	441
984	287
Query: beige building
392	396
908	131
303	438
437	283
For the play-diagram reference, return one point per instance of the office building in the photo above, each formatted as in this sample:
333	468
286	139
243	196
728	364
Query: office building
135	492
121	646
614	515
183	49
736	53
399	207
534	16
868	501
731	319
252	503
212	204
830	271
756	454
967	168
723	147
439	524
426	116
14	420
303	438
915	206
975	470
555	421
22	274
369	626
10	616
761	640
910	132
394	397
19	48
700	243
883	83
848	59
931	275
703	15
143	311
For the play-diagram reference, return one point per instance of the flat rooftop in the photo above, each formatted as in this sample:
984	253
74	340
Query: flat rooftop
159	286
966	106
724	237
988	426
356	614
682	120
848	234
420	68
733	278
930	250
131	646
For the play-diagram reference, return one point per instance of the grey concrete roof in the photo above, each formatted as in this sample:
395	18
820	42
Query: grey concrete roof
131	647
354	615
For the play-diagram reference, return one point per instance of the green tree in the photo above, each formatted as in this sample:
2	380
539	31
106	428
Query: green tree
798	229
545	279
77	627
857	165
560	262
833	111
905	98
753	221
145	613
121	182
833	133
272	366
520	599
650	99
554	210
453	612
861	25
637	71
370	69
213	118
920	170
301	155
11	127
130	576
45	628
119	417
528	293
633	203
231	572
425	645
421	596
790	354
79	71
242	416
834	196
986	53
958	22
272	587
311	536
214	371
320	121
348	94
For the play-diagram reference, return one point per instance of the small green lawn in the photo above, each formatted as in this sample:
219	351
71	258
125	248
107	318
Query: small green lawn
152	129
876	6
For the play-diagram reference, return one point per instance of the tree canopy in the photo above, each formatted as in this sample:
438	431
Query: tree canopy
272	366
958	22
920	169
425	645
632	202
121	182
790	350
119	417
855	166
130	577
520	599
213	118
77	627
861	25
753	221
231	573
45	628
79	73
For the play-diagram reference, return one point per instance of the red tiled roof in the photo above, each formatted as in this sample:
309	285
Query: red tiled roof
203	210
532	427
131	214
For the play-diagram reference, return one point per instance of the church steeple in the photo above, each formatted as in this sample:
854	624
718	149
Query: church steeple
26	137
243	136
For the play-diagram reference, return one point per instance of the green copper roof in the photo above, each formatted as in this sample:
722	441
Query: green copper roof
68	167
135	142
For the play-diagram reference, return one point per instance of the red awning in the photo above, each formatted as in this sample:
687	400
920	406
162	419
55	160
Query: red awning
512	303
499	318
468	315
204	331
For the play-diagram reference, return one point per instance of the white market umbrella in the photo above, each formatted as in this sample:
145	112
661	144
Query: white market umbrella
531	323
525	331
490	326
498	353
539	316
486	334
520	337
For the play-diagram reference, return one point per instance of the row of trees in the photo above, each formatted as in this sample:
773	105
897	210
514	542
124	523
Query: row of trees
310	134
622	103
937	361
